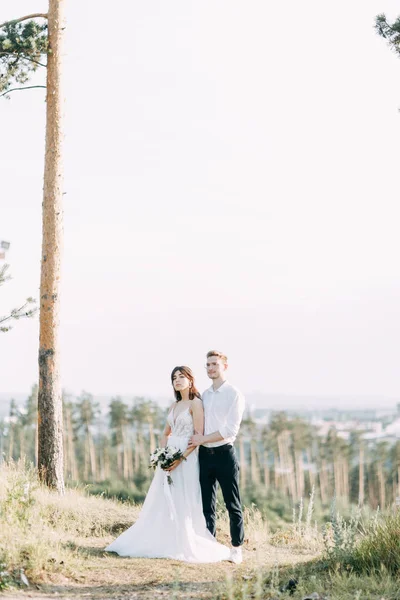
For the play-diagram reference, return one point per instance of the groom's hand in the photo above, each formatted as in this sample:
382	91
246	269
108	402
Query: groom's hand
196	440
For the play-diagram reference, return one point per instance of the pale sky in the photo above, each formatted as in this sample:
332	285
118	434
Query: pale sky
231	179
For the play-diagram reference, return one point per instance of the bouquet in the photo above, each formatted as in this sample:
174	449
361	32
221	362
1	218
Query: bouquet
164	457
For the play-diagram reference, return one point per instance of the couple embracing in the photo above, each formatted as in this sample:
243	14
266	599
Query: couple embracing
178	521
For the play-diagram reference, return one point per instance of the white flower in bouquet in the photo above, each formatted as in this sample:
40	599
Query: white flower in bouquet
164	458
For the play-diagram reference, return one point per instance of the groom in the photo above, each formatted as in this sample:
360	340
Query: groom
223	412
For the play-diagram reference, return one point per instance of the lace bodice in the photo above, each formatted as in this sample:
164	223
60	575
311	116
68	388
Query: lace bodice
183	425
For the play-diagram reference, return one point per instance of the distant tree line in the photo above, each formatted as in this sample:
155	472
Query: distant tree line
285	459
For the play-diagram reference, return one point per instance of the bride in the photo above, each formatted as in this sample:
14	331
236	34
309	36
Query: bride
171	523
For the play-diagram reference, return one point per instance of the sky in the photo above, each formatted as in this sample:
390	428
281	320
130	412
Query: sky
231	182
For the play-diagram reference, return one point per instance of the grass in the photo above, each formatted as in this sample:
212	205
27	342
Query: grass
57	544
311	581
40	531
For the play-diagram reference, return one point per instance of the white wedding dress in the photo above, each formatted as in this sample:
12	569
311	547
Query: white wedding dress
171	523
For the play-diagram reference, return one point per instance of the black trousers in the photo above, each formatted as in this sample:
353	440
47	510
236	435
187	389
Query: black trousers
220	464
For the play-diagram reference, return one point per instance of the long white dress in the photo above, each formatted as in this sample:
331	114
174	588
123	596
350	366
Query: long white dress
171	523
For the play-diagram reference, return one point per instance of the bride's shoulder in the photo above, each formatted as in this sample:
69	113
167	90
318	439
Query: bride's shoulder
196	403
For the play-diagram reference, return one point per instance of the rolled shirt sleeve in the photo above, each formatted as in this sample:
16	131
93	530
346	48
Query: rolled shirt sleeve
234	417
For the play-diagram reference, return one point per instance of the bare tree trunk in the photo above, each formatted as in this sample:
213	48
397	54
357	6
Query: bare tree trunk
265	469
254	471
345	478
86	460
92	455
21	443
286	463
299	474
372	498
11	442
323	482
151	436
361	476
50	439
119	461
142	452
381	480
101	464
137	453
275	463
129	454
125	453
242	462
311	476
337	478
106	462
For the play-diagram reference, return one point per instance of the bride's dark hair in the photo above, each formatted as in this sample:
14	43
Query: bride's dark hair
187	372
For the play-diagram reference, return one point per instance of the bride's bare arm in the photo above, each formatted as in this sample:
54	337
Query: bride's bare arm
167	431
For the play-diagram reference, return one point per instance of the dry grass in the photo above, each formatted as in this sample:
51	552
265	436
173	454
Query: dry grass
59	542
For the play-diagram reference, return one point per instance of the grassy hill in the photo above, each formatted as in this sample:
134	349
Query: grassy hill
53	546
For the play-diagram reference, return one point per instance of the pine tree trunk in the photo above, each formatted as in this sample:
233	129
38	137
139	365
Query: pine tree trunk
242	462
381	480
119	461
311	476
21	444
151	436
92	455
101	465
86	461
266	469
129	454
50	439
345	479
372	498
361	476
141	450
323	482
275	464
137	454
255	474
125	453
106	462
337	478
281	462
11	443
299	474
286	463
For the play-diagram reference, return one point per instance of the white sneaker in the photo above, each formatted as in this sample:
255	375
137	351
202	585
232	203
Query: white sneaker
236	555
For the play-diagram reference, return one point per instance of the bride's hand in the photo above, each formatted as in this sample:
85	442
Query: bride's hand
175	464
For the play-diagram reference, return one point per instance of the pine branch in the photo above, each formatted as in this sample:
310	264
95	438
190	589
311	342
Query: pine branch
18	313
24	58
33	16
28	87
36	62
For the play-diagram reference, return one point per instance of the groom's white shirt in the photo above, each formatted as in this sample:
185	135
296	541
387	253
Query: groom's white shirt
223	412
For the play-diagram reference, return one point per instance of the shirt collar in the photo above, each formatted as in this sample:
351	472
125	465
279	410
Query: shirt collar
211	389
